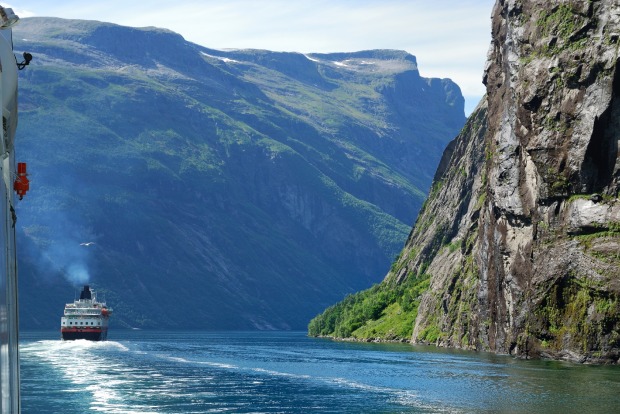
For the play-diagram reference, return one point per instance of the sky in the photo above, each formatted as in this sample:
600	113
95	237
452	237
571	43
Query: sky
450	38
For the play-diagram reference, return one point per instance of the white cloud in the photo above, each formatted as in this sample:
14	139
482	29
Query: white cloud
18	11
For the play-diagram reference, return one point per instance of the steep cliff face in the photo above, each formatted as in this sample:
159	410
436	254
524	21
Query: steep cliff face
521	234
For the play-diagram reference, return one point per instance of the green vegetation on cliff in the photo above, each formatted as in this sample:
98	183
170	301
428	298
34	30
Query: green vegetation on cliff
388	311
385	311
580	308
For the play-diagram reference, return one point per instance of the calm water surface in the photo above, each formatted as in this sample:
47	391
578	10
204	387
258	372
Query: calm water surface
286	372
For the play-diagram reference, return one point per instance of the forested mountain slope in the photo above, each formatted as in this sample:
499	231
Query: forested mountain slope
222	189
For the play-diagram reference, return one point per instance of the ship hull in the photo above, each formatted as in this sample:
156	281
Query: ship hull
88	334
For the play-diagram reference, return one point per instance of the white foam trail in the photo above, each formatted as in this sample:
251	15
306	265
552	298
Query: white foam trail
399	396
85	365
99	369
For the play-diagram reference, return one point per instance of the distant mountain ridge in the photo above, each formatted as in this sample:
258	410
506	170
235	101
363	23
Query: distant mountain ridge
223	189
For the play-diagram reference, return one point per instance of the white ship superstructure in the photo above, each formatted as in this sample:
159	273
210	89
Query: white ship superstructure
85	318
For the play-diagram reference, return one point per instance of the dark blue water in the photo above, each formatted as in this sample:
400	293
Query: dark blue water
266	372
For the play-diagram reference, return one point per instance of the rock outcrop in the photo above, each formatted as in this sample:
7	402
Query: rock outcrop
521	232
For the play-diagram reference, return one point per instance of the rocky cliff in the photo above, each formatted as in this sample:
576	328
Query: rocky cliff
520	236
531	199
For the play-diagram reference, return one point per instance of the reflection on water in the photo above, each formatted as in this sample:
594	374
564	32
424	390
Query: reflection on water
286	372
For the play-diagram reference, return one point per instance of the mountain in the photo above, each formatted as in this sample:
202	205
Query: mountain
516	250
233	189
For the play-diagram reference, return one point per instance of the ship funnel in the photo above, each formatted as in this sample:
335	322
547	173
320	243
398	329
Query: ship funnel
85	294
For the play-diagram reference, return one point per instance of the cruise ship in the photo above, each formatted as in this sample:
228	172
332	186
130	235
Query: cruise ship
85	318
13	181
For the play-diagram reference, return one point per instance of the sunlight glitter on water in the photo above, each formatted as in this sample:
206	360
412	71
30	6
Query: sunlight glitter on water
87	371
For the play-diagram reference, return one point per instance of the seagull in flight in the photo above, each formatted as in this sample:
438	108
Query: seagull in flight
87	243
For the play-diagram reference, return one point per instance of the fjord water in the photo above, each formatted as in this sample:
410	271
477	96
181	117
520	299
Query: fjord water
286	372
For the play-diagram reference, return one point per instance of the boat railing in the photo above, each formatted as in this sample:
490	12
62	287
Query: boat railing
82	312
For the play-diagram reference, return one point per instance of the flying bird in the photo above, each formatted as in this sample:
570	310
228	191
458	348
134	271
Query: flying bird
87	243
